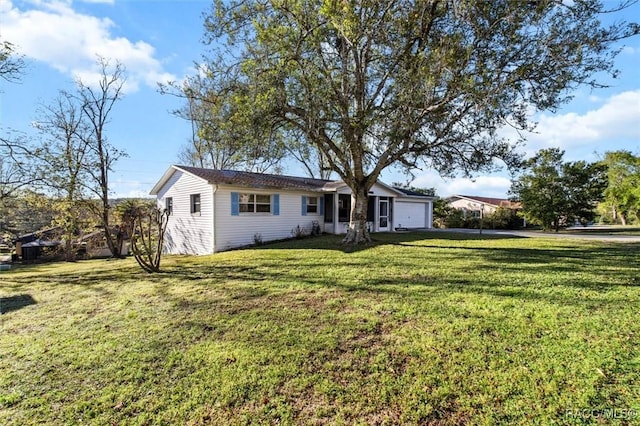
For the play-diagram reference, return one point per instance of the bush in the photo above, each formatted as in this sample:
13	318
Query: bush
502	218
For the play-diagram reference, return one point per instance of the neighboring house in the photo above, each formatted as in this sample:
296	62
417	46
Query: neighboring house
5	257
31	246
476	207
94	245
215	210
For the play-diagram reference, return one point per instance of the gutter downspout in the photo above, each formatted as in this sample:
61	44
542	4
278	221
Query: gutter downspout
213	207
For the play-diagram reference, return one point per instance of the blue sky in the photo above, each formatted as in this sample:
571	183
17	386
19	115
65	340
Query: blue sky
159	40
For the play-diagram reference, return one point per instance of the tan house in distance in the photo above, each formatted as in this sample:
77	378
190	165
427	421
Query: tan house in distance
477	207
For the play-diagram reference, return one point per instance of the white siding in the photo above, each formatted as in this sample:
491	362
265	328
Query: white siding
188	233
469	206
378	190
241	230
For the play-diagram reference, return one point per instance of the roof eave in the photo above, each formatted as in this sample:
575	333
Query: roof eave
163	180
418	197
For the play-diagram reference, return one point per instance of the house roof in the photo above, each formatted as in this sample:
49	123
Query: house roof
256	180
48	232
259	180
246	179
41	243
411	193
496	202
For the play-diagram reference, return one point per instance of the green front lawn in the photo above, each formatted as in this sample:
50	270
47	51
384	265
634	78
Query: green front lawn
418	329
607	230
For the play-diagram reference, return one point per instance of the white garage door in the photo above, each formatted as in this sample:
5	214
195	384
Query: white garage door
410	215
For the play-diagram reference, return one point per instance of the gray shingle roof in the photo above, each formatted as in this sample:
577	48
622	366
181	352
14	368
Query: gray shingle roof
257	180
411	193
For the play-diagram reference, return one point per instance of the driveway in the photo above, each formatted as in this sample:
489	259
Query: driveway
538	234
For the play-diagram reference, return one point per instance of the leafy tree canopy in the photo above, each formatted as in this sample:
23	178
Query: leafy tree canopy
622	196
222	136
371	84
556	194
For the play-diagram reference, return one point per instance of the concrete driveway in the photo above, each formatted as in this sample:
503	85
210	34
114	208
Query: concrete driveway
539	234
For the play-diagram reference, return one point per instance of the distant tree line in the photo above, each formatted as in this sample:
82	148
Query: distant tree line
556	194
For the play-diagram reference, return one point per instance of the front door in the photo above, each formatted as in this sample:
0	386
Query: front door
383	218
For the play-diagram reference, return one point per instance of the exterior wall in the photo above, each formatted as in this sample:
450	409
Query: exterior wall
188	233
470	206
242	229
99	251
380	191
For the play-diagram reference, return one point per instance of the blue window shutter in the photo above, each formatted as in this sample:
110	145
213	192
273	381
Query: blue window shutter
304	205
321	197
235	204
276	204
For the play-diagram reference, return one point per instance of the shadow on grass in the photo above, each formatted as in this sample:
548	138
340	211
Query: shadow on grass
14	303
334	242
99	279
462	268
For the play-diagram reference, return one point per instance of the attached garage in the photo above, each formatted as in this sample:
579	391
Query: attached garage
411	215
413	210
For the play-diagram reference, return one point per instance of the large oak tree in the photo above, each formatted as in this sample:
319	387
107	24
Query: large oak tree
374	83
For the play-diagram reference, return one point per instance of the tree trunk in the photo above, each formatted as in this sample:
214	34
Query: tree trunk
358	232
108	234
69	256
623	219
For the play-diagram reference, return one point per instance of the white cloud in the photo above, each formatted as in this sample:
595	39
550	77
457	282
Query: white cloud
615	120
488	186
482	185
52	32
613	124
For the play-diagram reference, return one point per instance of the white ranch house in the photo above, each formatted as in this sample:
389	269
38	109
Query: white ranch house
474	206
216	210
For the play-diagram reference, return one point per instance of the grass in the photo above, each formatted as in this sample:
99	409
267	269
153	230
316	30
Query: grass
416	329
607	230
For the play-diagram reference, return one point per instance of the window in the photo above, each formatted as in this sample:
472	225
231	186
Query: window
255	203
195	203
344	207
168	205
312	204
